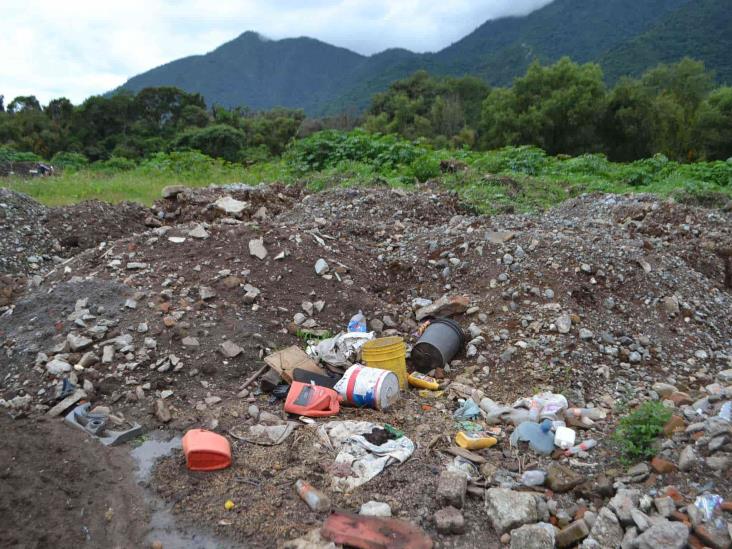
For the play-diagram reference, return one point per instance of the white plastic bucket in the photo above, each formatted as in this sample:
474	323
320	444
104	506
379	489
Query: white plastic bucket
369	387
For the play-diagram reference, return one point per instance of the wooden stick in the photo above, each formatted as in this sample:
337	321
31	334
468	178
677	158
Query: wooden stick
254	377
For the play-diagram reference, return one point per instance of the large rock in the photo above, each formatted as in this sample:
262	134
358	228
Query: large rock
172	191
508	509
533	536
606	531
665	533
445	306
560	478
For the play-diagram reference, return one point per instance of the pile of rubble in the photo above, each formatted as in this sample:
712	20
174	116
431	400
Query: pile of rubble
609	301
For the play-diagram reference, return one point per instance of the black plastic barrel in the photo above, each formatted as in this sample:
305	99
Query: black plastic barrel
441	341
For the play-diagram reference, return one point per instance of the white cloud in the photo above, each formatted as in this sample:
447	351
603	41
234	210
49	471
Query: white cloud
79	48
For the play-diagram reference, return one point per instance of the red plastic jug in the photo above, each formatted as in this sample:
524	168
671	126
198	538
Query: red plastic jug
312	400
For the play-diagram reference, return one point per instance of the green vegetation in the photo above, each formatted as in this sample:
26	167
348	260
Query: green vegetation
625	37
565	108
636	433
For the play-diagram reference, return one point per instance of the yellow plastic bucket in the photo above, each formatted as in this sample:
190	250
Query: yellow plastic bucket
387	353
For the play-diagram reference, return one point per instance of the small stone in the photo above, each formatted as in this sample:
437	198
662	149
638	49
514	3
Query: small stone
58	367
573	534
212	400
640	519
674	425
664	505
664	390
586	334
376	325
131	304
230	206
299	319
533	536
507	259
623	502
77	342
560	478
198	232
161	411
307	306
107	354
563	324
449	521
662	466
719	462
725	376
190	341
321	267
230	349
671	305
257	249
206	293
451	488
88	359
136	266
375	509
499	237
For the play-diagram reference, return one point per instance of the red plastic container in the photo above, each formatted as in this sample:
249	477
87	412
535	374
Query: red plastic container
206	451
311	400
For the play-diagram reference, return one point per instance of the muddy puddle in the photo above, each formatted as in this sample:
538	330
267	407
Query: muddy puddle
164	528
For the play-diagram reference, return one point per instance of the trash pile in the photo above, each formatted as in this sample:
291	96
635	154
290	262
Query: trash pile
367	364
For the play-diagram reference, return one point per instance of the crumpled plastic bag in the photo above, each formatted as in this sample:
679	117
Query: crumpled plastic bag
341	350
358	460
467	410
269	435
543	406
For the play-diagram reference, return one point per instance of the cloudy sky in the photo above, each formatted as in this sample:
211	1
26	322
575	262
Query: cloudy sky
77	48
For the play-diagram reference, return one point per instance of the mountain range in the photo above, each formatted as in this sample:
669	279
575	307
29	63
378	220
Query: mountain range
625	37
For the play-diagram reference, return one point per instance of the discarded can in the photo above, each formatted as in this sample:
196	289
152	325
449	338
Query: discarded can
474	441
441	341
311	400
316	500
369	387
417	379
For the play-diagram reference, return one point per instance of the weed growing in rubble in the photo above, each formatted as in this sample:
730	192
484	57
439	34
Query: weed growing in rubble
636	433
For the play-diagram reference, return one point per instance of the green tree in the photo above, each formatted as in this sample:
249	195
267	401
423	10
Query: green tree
713	129
555	107
218	141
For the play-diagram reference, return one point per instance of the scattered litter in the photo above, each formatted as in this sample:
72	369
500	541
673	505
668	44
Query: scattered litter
387	353
467	410
286	361
583	447
538	435
316	500
311	400
267	435
205	450
465	466
708	505
365	459
364	532
358	323
96	424
369	387
564	437
441	340
422	381
474	441
342	350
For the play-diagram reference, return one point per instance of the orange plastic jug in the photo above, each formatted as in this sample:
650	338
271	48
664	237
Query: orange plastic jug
312	400
206	451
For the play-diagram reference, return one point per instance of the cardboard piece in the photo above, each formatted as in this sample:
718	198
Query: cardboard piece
285	361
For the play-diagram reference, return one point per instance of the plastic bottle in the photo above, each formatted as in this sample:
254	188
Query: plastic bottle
316	500
583	447
417	379
474	441
357	323
591	413
564	437
533	478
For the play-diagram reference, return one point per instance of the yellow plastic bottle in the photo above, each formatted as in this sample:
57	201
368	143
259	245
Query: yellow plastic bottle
422	381
474	441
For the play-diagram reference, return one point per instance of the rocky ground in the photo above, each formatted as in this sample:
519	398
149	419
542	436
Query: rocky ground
158	316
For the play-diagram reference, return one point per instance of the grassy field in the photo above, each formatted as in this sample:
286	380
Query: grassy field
513	179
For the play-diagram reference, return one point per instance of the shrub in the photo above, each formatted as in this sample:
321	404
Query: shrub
219	141
116	164
636	433
69	160
426	167
8	154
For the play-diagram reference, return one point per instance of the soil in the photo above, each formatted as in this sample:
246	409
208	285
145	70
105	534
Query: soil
60	488
614	265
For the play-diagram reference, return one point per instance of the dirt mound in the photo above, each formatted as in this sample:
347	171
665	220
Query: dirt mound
87	224
600	299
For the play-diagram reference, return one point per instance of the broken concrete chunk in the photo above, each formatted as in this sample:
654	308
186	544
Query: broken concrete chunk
77	342
206	293
508	509
198	232
230	205
445	306
230	349
190	341
451	488
321	267
58	367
